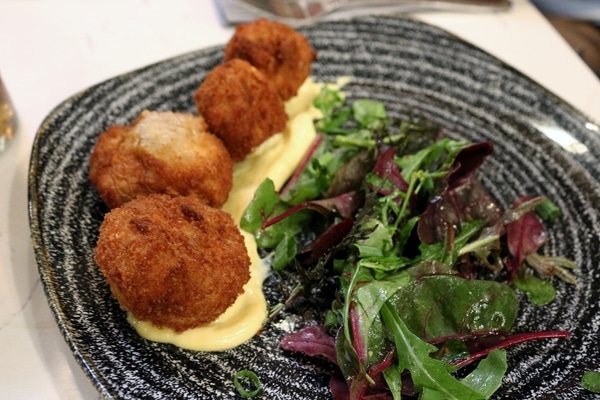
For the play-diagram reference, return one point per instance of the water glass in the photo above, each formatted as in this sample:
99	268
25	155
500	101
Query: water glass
8	118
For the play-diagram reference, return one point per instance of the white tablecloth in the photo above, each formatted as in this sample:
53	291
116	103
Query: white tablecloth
50	49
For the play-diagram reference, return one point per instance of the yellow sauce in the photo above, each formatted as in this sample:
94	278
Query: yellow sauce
277	159
239	323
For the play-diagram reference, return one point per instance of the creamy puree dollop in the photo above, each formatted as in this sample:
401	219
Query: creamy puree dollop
276	158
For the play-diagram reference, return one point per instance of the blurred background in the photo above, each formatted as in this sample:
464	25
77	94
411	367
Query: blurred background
578	21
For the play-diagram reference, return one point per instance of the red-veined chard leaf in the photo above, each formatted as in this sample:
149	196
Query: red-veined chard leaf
468	202
525	235
387	168
312	340
467	162
265	205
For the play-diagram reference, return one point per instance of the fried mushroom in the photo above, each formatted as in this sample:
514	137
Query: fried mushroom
240	106
172	261
283	54
161	152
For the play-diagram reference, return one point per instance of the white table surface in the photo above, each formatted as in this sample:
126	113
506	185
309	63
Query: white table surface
50	49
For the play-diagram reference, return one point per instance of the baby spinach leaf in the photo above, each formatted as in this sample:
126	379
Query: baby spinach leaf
265	202
487	377
540	291
369	114
368	300
285	252
444	305
378	243
393	378
591	381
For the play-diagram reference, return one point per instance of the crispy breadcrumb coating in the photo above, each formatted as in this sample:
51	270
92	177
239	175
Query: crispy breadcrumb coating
161	152
283	54
240	106
173	261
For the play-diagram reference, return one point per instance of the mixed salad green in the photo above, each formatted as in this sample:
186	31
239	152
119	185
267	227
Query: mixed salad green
426	264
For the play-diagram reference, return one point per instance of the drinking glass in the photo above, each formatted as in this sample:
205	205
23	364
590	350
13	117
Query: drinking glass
8	119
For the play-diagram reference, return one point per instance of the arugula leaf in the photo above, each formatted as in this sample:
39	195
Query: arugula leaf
438	156
430	376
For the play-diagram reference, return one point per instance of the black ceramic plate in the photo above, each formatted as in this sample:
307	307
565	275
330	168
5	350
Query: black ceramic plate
411	67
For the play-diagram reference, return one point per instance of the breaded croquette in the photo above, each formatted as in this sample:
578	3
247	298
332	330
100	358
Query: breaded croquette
283	54
240	106
172	261
162	152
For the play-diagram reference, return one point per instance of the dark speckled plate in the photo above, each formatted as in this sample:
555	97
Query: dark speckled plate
542	145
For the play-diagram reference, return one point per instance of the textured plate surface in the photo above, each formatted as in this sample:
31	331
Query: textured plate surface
408	65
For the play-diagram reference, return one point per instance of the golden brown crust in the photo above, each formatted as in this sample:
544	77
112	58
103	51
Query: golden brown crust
240	106
173	261
161	152
283	54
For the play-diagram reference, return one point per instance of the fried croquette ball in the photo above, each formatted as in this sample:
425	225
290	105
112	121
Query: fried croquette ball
172	261
161	152
283	54
240	106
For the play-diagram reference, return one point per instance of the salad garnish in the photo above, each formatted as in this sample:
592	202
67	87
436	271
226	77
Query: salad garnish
425	264
247	383
591	381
